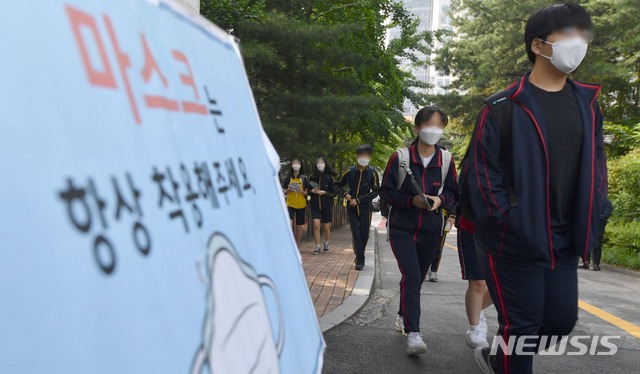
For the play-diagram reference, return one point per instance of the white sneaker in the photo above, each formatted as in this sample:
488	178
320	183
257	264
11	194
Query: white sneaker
483	321
433	276
477	337
415	344
400	324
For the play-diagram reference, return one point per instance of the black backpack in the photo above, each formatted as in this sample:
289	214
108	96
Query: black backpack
501	107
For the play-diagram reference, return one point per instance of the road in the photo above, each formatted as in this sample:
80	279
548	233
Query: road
368	342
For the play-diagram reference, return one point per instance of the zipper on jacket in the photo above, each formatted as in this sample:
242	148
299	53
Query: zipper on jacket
358	189
320	196
546	157
415	235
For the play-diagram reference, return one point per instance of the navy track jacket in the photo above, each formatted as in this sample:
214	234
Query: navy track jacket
362	185
509	195
326	183
421	224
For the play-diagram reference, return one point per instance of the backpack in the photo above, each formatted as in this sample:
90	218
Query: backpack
403	164
503	115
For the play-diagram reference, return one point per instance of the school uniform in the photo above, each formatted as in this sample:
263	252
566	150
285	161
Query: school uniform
322	206
536	190
470	265
296	200
363	186
415	234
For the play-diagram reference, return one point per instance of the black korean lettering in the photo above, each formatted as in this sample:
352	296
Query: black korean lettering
75	197
174	197
214	111
205	183
191	195
104	254
245	177
100	203
140	234
221	182
232	176
121	203
141	238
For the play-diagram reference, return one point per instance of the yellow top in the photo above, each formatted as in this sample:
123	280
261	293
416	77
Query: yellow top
296	200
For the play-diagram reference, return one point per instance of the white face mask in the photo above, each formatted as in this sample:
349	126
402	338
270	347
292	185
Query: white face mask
296	167
567	54
238	319
320	167
430	135
363	161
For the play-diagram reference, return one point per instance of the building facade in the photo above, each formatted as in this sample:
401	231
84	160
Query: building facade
433	15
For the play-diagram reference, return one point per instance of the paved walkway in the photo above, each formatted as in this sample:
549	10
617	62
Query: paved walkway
330	275
368	342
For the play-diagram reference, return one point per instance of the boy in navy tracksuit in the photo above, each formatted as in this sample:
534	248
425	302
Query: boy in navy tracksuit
415	229
537	181
363	184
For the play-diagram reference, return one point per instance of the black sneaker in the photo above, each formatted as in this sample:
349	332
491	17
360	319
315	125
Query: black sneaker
585	265
316	251
596	267
359	266
486	362
326	247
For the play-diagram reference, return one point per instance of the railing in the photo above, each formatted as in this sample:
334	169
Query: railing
340	218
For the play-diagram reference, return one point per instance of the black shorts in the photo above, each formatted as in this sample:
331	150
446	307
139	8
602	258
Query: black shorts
298	213
468	256
325	215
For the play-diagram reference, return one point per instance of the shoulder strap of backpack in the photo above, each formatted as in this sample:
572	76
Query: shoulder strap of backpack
446	161
403	163
501	107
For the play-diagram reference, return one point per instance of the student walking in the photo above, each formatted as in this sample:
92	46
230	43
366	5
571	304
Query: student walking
607	209
537	181
322	195
295	187
477	297
417	183
362	187
432	274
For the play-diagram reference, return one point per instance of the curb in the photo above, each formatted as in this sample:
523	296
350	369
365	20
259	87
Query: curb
361	290
624	271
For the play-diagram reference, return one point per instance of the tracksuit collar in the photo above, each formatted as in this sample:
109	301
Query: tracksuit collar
435	162
520	91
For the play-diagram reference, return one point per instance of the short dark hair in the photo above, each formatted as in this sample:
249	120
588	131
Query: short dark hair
554	18
427	112
364	148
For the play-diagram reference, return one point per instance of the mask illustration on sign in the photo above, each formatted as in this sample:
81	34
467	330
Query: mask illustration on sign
430	135
363	161
567	54
237	332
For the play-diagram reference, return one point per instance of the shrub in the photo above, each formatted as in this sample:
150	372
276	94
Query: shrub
621	244
624	186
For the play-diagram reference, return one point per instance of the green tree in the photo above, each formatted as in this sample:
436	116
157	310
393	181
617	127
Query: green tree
323	76
488	53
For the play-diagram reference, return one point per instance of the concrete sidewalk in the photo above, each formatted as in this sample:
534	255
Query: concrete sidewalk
369	343
337	289
330	275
